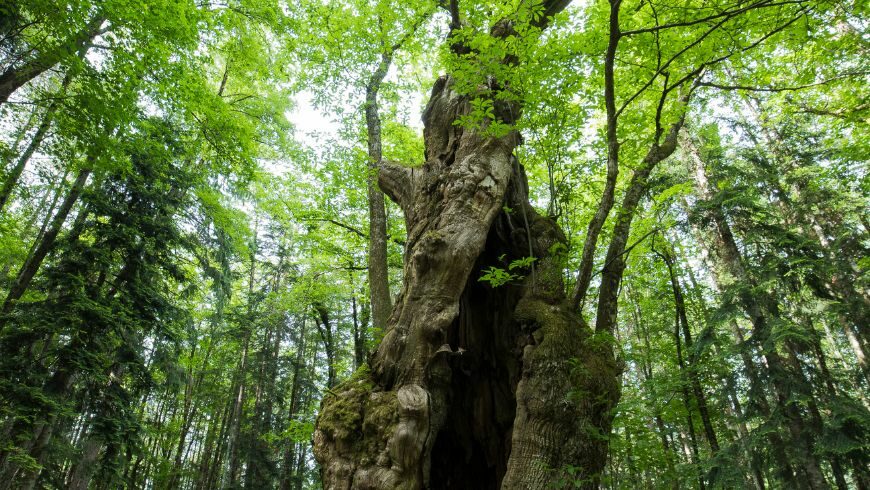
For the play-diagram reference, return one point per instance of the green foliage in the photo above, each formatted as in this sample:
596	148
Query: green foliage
497	276
209	281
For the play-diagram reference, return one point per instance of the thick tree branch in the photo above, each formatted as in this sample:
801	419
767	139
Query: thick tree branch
396	182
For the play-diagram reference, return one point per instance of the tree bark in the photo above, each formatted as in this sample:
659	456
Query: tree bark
472	386
615	260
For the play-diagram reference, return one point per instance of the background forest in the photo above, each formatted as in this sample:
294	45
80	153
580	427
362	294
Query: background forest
194	249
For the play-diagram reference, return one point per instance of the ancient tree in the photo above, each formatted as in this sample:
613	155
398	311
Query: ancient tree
473	386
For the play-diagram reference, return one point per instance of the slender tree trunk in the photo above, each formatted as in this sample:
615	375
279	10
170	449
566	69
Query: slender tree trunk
191	387
149	455
683	320
830	392
299	471
257	470
232	478
758	306
28	270
379	285
56	388
288	467
217	462
15	172
359	335
753	454
239	395
757	394
739	416
48	211
328	337
647	372
211	464
615	260
82	472
584	276
690	424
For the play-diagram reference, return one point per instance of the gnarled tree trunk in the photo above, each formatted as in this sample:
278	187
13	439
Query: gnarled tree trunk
473	386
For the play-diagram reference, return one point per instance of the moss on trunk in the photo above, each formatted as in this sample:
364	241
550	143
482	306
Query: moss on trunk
473	386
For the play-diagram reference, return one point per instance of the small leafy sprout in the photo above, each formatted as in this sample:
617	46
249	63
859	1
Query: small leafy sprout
524	262
496	276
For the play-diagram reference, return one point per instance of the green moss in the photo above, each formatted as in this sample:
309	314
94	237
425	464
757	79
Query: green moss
568	358
382	413
341	413
360	415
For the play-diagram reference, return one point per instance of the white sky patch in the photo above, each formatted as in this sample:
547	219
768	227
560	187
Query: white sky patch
311	124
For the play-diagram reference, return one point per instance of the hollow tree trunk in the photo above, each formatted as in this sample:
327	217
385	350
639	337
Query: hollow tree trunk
472	386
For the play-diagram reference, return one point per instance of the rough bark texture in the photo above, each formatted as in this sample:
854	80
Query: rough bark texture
472	386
